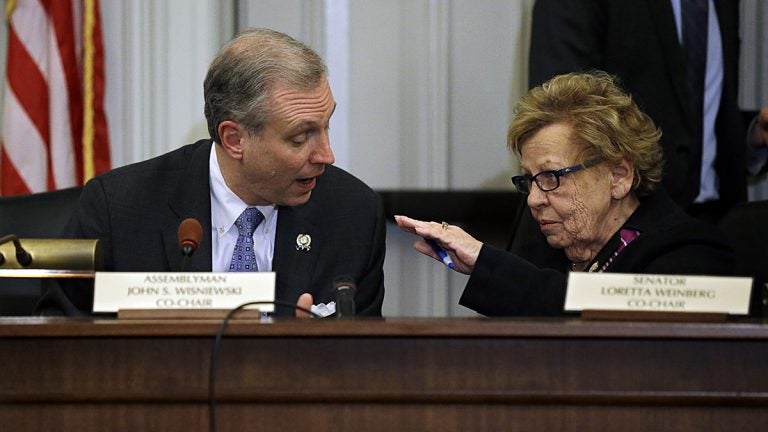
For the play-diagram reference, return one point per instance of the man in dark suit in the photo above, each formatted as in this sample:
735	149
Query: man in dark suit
268	106
638	40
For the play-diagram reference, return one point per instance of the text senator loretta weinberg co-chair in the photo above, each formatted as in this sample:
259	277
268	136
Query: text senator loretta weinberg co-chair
40	215
746	227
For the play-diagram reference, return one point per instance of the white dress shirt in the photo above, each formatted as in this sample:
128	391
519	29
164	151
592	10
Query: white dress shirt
713	89
226	207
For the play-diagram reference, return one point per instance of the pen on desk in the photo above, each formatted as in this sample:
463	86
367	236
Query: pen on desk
440	252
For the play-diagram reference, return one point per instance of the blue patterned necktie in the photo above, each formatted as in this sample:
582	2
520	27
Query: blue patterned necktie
244	257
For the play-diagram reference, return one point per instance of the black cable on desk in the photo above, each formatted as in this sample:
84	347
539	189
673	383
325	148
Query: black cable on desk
217	344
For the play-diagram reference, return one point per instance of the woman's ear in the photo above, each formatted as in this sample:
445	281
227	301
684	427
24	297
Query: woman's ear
231	134
622	175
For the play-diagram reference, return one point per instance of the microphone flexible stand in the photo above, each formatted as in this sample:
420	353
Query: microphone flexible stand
22	256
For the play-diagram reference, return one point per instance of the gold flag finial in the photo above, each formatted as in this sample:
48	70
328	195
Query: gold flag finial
10	5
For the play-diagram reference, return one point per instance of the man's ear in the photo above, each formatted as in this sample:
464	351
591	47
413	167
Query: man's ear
232	135
622	175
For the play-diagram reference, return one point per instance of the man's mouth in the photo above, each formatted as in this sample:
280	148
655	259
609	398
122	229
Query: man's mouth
307	183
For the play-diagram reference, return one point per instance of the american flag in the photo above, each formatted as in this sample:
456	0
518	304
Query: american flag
54	132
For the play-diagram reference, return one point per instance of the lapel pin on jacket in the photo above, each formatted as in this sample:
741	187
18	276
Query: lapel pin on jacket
304	242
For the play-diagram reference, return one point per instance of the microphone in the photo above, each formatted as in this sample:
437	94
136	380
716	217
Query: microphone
344	288
190	233
22	256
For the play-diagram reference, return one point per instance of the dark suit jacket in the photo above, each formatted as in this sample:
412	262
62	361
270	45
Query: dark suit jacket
670	242
637	41
135	212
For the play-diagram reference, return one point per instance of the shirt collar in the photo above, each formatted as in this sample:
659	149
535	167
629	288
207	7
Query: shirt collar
226	207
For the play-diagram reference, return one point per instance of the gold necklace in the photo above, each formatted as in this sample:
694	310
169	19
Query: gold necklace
582	266
578	266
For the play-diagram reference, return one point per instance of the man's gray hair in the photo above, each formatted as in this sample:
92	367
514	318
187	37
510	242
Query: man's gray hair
240	79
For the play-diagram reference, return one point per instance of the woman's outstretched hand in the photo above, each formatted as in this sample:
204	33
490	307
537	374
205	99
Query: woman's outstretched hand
460	246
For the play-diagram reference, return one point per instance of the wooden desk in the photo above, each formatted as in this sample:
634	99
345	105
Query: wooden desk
393	375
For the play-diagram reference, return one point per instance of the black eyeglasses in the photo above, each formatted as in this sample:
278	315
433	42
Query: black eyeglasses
549	180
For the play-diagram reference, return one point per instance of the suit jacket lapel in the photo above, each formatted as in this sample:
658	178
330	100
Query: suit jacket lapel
191	199
664	23
295	265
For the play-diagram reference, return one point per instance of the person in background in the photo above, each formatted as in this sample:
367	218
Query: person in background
679	59
268	164
591	168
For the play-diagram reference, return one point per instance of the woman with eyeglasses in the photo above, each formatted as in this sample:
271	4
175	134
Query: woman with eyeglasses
591	166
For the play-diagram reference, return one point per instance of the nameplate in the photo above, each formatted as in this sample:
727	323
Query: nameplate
658	293
114	291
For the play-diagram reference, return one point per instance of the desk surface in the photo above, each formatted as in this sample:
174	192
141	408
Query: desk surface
14	327
383	375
